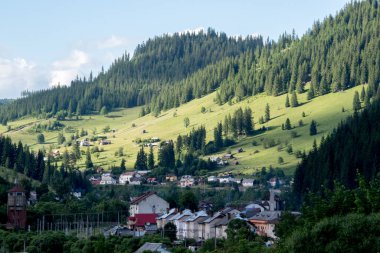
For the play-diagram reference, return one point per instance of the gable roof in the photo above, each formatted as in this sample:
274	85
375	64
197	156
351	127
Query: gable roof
143	218
266	216
17	188
172	211
142	197
196	216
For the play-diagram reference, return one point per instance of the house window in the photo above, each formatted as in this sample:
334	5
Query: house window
154	208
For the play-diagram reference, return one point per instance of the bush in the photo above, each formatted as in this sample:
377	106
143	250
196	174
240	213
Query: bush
289	149
293	134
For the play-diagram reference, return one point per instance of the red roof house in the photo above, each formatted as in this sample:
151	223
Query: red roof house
141	219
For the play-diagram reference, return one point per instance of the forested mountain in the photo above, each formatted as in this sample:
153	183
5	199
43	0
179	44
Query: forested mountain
336	53
351	149
129	82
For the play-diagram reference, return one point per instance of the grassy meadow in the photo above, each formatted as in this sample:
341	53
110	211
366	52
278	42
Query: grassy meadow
127	126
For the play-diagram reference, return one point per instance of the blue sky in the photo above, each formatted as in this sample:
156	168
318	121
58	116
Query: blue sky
43	43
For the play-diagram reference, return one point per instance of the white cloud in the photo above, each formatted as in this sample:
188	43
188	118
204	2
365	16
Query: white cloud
64	71
112	42
17	75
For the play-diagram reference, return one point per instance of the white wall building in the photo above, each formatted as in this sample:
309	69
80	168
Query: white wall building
149	202
107	179
126	177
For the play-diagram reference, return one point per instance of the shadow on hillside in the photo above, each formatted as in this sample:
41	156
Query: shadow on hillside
277	116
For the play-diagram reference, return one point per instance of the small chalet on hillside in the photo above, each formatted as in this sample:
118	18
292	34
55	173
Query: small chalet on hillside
149	202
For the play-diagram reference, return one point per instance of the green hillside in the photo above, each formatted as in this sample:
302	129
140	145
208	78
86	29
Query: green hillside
326	110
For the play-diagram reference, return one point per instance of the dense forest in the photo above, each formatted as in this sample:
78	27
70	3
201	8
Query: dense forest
352	149
335	54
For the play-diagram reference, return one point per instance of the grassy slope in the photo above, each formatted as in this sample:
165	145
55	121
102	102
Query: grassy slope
326	110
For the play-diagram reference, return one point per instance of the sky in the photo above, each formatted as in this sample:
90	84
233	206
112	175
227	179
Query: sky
48	42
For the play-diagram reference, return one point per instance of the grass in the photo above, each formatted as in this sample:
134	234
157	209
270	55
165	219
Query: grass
326	110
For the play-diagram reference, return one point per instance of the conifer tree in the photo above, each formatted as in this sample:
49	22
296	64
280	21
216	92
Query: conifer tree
40	138
313	128
287	103
76	150
356	102
104	110
294	100
218	139
151	159
88	162
248	121
122	165
366	100
362	94
287	125
141	160
267	113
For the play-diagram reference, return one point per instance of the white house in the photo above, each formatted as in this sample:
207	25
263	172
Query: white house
191	225
85	143
149	202
209	226
107	179
126	177
248	182
187	181
225	180
212	179
163	219
178	219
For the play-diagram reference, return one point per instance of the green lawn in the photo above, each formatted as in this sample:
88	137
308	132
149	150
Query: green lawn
326	110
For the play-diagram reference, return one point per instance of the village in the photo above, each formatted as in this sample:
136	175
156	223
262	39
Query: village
151	214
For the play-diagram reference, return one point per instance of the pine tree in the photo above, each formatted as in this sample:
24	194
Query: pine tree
151	159
294	100
287	125
247	119
40	138
218	139
362	94
226	126
141	160
313	128
267	113
104	110
88	163
122	165
76	150
356	102
366	100
287	103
